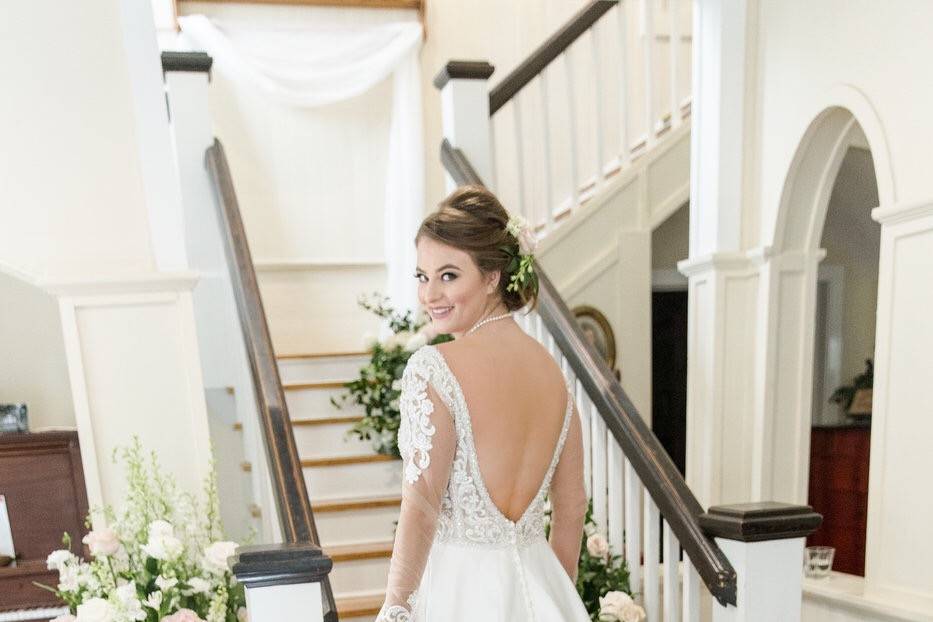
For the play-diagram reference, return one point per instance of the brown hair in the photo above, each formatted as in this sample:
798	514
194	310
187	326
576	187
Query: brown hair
473	220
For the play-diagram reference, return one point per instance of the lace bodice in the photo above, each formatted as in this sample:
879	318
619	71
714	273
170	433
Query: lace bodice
454	504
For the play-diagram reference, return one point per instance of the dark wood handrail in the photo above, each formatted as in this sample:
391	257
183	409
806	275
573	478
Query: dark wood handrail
288	483
516	80
660	476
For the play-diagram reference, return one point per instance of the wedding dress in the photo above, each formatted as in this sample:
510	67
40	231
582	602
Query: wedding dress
456	556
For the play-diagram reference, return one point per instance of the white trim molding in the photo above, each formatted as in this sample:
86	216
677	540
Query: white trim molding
903	212
307	264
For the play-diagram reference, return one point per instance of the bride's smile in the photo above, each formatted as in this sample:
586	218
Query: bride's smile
451	287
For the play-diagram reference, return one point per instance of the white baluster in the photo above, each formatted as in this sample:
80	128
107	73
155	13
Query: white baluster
625	148
546	146
520	157
633	490
648	17
598	428
583	407
616	476
572	123
598	102
671	577
673	8
691	593
652	558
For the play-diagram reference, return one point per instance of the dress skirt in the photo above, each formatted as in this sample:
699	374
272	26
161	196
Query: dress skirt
525	583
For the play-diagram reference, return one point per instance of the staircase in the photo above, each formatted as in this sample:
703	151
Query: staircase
355	492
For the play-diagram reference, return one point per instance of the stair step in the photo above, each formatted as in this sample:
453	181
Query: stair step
359	606
320	384
357	503
311	400
342	460
324	366
359	550
329	436
354	571
356	519
335	477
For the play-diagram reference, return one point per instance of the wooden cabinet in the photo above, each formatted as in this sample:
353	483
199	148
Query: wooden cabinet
42	479
839	491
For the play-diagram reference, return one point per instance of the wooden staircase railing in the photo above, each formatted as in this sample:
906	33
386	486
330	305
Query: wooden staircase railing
291	494
654	468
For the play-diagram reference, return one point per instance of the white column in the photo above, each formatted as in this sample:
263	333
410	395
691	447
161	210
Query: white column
724	34
465	110
764	543
721	333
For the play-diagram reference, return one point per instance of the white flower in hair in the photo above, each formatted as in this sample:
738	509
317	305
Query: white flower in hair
521	231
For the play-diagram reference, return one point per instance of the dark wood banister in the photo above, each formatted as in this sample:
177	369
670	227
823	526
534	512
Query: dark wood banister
654	467
288	484
519	77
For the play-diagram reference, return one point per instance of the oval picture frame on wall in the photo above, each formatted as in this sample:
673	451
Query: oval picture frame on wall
595	326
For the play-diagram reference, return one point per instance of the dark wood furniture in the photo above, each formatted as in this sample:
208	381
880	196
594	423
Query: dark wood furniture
839	491
43	482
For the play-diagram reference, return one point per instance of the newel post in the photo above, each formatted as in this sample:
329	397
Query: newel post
282	581
465	110
764	543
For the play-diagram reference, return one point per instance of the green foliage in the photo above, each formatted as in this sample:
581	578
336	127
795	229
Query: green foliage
378	389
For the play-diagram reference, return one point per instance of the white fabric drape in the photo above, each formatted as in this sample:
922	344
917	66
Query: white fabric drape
309	67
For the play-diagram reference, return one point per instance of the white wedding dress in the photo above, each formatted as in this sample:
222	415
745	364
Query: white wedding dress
456	556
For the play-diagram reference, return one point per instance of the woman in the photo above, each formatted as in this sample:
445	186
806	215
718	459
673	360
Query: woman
488	429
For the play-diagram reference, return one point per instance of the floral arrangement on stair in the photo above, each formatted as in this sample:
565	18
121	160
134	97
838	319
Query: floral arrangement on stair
161	558
378	387
602	578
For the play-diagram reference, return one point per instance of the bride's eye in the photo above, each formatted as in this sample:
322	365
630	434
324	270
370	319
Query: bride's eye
421	277
452	276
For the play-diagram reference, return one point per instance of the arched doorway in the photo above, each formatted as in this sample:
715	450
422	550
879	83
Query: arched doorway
838	136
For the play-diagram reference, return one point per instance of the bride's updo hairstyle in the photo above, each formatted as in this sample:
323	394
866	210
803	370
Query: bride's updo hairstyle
473	220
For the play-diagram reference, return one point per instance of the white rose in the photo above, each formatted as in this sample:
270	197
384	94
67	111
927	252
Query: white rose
129	602
589	529
397	340
429	331
620	606
632	613
597	545
216	555
415	342
68	576
59	558
198	585
102	542
165	584
241	615
96	610
162	541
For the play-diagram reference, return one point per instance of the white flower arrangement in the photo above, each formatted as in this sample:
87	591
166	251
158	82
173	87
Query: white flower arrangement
162	558
619	607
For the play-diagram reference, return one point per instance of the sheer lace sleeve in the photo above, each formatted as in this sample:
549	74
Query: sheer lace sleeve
427	442
568	500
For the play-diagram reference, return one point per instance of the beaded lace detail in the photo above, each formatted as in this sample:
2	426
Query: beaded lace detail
467	513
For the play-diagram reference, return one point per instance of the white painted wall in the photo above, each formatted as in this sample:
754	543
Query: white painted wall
805	59
33	368
89	214
69	167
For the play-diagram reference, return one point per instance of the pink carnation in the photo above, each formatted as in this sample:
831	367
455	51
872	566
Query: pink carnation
183	615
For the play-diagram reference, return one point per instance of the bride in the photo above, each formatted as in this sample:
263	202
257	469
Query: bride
488	428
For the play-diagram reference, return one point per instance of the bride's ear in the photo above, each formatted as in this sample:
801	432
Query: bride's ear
492	281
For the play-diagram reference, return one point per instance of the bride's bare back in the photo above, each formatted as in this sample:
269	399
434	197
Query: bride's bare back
516	398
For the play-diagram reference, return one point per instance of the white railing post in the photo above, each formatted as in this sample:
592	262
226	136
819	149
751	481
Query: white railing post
764	543
465	111
283	582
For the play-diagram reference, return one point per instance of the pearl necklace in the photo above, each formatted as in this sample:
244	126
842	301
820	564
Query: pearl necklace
487	320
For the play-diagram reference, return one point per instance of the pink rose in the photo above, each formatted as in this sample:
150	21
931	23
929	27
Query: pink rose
102	542
183	615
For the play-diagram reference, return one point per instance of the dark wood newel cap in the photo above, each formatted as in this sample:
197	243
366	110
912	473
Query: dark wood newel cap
756	522
186	61
464	70
280	564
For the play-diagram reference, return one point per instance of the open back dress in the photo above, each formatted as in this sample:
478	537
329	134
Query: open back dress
456	556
